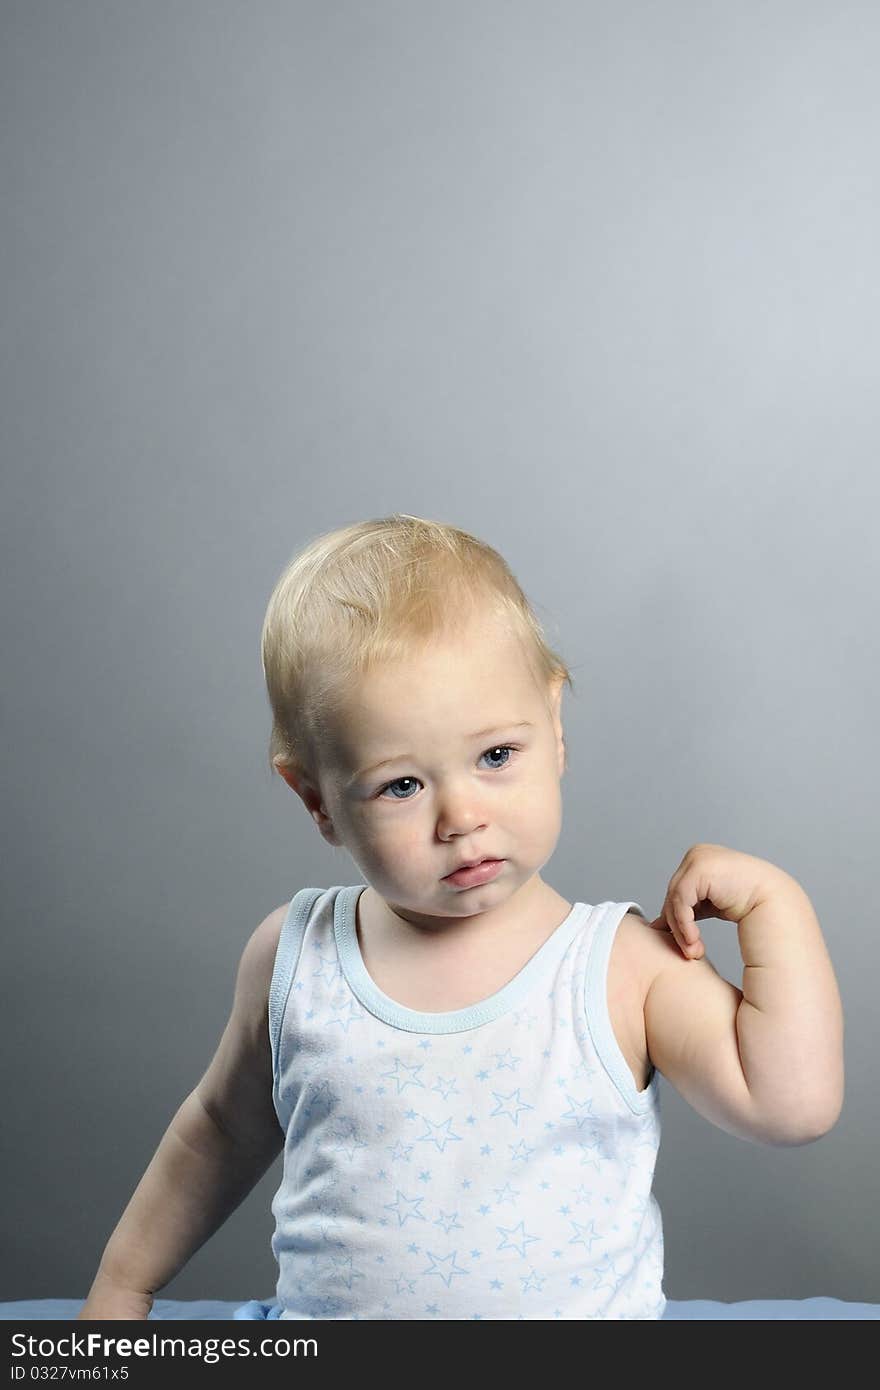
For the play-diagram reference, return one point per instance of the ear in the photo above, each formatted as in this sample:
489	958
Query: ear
309	792
555	699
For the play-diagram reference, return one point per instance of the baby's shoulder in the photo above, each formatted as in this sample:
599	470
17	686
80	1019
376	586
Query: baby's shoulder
264	940
236	1089
638	953
627	987
258	957
255	969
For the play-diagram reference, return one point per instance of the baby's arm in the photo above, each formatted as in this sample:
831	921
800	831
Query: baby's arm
217	1147
764	1062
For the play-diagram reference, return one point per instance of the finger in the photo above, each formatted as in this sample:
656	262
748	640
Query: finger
664	920
672	915
688	932
668	921
677	917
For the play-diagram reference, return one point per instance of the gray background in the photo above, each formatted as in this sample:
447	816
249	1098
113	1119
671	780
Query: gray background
595	281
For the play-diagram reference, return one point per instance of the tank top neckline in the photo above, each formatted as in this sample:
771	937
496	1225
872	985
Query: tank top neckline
382	1006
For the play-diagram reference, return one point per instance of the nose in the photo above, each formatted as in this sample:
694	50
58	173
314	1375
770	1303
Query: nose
459	814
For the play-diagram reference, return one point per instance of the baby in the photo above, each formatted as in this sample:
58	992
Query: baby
460	1065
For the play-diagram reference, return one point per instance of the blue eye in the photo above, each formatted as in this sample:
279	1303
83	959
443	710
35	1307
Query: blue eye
499	767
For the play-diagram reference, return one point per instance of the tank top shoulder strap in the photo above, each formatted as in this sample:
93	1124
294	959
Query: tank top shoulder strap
595	962
287	956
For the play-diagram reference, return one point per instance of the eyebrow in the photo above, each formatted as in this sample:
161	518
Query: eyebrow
480	733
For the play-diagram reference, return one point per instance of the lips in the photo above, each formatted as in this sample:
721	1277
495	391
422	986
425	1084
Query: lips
469	864
483	872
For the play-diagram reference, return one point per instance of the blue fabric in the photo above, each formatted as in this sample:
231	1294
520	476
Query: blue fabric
258	1311
692	1310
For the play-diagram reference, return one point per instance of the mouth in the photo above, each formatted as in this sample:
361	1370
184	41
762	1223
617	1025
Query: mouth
468	864
473	865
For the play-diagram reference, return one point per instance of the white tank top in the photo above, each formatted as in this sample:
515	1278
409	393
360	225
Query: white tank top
488	1162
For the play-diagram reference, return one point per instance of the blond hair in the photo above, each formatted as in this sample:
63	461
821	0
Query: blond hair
367	594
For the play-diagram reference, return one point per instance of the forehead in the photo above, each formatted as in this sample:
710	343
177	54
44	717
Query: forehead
449	686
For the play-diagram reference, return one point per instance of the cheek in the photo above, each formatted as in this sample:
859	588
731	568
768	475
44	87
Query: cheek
388	834
553	813
529	801
542	811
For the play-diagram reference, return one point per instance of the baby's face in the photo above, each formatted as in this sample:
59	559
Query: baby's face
448	793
